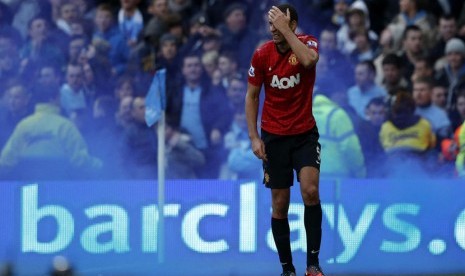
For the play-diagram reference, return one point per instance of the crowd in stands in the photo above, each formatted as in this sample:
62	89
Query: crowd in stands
389	95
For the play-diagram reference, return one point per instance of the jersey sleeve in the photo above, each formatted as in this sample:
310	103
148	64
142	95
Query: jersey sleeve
311	42
255	74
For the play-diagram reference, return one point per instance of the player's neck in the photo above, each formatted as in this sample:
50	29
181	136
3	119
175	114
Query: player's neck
283	47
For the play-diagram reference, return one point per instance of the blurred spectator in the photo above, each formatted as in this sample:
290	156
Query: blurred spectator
26	11
439	96
17	106
72	93
105	136
6	16
460	161
236	36
9	63
412	14
356	20
229	67
125	87
47	144
61	267
422	95
168	54
340	9
202	37
139	153
210	62
182	158
68	14
123	115
364	48
107	34
457	115
130	21
392	73
407	139
365	88
412	49
185	8
368	133
77	45
423	68
39	48
454	70
195	106
337	65
341	154
7	270
158	22
236	94
241	161
447	29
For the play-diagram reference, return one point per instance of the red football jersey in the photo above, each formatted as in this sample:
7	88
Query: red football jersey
288	85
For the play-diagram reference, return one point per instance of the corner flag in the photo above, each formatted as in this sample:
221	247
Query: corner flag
155	100
155	104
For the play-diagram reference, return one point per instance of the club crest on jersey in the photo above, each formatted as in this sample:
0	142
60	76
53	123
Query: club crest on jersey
285	83
293	59
251	71
312	43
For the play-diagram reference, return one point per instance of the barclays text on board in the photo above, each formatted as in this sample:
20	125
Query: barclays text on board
111	227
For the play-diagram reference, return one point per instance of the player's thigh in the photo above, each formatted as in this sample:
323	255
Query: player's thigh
278	170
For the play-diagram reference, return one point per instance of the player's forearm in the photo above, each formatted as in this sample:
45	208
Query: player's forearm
251	114
306	56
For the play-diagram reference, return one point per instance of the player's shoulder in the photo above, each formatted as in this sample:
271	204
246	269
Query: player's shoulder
266	47
306	37
310	40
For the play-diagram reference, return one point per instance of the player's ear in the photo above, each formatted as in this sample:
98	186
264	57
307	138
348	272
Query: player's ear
293	25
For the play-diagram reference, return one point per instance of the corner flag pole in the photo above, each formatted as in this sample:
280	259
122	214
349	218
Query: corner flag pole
161	187
155	104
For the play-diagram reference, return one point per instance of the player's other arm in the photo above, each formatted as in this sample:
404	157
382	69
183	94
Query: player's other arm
251	109
251	113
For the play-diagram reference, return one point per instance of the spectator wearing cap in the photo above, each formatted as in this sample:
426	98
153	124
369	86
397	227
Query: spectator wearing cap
454	69
202	37
168	54
236	36
356	20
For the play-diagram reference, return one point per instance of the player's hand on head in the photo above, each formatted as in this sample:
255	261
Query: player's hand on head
279	20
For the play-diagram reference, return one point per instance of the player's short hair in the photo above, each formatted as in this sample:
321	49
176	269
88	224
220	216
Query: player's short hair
292	11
